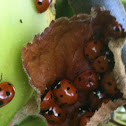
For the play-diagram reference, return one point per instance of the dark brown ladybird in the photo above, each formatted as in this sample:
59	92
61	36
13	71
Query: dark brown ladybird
87	80
96	98
93	49
101	64
109	84
86	118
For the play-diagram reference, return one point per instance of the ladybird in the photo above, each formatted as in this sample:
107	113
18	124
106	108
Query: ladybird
42	5
7	92
78	112
105	101
65	92
101	64
109	84
95	98
114	30
55	114
47	100
117	28
93	49
87	80
83	109
85	118
107	52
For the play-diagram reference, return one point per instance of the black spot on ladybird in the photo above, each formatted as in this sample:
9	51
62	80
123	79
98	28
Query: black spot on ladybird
109	83
0	89
95	42
68	88
90	80
7	93
69	82
39	3
51	96
79	78
50	112
76	92
9	84
58	86
1	102
87	55
61	96
117	29
59	114
99	61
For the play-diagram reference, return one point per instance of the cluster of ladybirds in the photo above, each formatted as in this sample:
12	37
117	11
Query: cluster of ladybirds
7	93
97	84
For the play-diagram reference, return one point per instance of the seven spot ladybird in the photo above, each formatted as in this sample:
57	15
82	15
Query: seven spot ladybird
65	92
47	100
93	49
104	101
101	64
55	114
85	118
95	98
109	84
87	80
114	30
42	5
7	93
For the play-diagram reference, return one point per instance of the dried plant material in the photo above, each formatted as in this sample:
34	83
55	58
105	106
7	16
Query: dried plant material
104	112
58	53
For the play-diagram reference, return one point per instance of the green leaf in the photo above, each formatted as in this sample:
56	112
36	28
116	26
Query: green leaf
124	3
19	22
32	121
63	9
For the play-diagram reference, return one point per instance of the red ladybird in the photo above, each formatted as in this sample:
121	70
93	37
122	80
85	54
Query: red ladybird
96	98
78	112
55	114
118	28
109	84
65	92
101	64
86	118
42	5
93	49
87	80
105	101
114	30
7	93
47	101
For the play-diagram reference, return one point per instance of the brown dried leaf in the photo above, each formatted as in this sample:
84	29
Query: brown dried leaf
58	53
